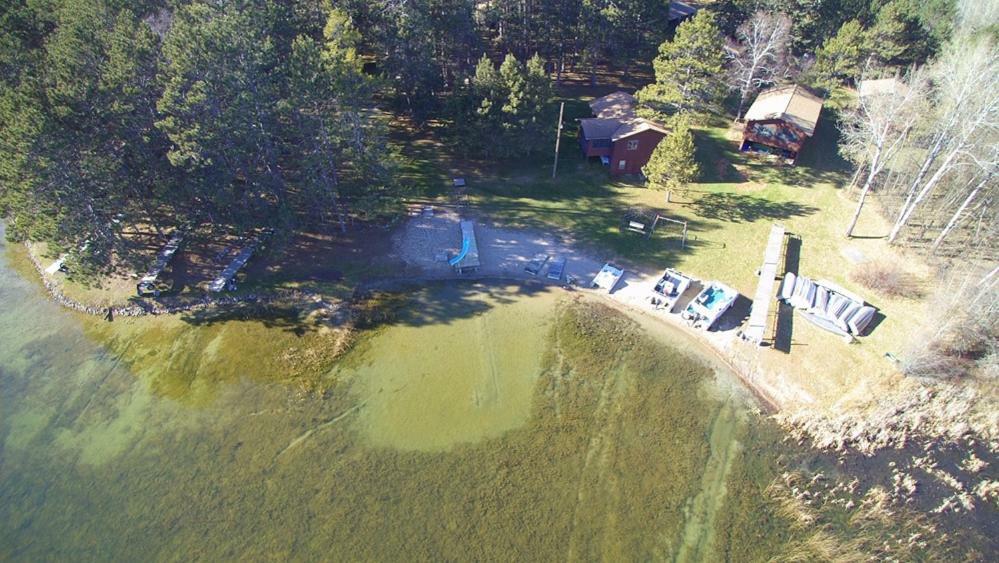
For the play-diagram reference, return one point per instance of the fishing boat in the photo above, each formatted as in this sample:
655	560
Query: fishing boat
710	304
607	277
668	289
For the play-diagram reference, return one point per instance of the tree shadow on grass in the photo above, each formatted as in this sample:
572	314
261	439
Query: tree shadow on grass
739	208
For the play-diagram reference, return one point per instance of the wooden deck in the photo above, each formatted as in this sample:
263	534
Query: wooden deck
760	312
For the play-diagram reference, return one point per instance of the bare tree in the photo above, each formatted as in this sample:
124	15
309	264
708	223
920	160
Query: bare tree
976	15
760	58
980	185
877	129
967	95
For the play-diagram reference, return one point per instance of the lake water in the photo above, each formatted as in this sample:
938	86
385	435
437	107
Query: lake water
482	422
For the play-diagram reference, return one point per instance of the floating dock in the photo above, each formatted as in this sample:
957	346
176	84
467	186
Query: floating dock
760	312
229	273
148	282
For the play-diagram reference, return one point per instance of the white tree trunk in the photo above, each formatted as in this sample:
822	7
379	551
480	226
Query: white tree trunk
957	214
863	194
914	199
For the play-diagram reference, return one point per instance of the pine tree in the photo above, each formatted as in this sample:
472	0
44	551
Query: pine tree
537	103
842	57
514	114
80	151
688	69
219	105
672	165
503	112
488	92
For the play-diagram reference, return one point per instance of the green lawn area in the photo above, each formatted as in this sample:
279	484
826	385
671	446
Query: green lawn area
729	213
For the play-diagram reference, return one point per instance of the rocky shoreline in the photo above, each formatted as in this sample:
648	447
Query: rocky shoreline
145	307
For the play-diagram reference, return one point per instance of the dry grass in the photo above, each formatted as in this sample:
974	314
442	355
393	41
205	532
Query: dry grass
960	332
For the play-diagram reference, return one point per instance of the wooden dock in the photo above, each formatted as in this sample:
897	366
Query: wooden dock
760	312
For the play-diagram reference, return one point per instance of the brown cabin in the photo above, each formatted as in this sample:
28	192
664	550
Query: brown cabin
622	140
780	120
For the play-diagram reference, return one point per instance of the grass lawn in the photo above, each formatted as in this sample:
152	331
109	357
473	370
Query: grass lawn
729	214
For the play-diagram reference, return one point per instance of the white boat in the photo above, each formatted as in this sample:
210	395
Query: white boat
608	277
710	304
668	289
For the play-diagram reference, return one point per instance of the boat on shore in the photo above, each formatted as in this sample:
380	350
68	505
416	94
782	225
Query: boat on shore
667	291
709	305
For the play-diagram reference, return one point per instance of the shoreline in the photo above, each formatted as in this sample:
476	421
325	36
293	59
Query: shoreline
711	350
883	438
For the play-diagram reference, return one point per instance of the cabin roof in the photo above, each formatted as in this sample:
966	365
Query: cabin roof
616	129
635	126
616	119
793	104
882	86
599	128
680	10
618	104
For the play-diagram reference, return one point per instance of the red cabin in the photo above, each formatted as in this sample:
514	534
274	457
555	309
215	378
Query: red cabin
621	139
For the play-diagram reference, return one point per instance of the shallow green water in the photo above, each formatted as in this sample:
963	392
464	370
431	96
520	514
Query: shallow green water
489	422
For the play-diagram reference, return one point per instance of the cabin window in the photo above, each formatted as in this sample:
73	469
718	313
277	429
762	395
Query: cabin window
621	164
633	145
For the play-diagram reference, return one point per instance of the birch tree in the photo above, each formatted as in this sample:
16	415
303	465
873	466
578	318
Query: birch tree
967	93
981	185
876	130
762	56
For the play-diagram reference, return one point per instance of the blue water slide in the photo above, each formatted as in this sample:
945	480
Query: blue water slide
466	243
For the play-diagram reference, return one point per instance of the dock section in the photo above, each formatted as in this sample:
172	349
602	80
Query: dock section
760	312
147	285
226	280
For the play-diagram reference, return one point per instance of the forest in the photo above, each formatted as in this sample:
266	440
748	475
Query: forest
246	114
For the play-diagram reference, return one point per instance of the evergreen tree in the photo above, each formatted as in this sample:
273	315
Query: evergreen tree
898	38
80	152
222	91
503	112
514	114
688	69
537	105
672	165
842	57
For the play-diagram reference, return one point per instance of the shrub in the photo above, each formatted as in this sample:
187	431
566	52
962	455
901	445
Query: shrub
960	330
886	278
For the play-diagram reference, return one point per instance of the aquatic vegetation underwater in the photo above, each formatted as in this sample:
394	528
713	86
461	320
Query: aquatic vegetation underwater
486	423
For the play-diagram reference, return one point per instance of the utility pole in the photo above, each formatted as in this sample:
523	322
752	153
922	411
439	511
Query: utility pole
558	137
